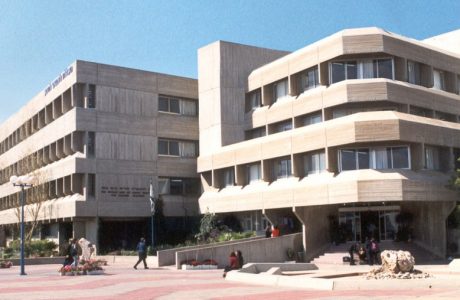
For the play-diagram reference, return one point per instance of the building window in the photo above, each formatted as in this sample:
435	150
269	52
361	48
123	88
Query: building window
91	97
343	71
374	158
91	144
177	148
420	111
312	119
91	185
283	126
439	81
253	172
413	72
179	186
228	177
361	69
376	68
176	105
283	168
314	163
309	79
432	158
458	84
280	90
255	133
253	100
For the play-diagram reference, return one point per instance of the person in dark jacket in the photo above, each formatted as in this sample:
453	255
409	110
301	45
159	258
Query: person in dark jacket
72	252
239	256
142	252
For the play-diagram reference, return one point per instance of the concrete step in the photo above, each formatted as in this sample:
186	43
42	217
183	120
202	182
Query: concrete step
335	253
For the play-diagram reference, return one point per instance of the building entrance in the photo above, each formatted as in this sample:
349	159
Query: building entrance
357	223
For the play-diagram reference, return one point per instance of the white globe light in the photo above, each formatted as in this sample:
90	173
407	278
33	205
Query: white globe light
13	179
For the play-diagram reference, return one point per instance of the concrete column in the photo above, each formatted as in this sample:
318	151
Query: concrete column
79	229
429	224
91	229
315	224
2	236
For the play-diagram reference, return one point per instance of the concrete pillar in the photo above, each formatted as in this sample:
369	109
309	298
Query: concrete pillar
79	228
315	224
429	224
2	236
91	229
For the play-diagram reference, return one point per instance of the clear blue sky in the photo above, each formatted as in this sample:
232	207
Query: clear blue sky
39	39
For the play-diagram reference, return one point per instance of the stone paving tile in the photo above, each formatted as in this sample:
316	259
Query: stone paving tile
123	282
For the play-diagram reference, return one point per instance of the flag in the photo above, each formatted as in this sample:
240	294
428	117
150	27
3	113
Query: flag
152	198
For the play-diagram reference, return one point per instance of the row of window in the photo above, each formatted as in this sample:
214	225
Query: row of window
378	158
352	69
61	187
83	96
312	163
342	111
53	152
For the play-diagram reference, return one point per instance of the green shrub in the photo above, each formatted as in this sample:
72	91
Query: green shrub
40	248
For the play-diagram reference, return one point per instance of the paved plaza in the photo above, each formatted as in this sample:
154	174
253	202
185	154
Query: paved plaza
121	281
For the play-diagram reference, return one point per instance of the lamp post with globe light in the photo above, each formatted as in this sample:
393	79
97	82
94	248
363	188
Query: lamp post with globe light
23	182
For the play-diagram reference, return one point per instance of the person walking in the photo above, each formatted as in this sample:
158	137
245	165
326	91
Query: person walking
73	252
142	252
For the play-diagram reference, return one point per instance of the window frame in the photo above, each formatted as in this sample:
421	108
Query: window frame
372	158
180	101
359	68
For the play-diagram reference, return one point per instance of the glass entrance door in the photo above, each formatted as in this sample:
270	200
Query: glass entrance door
378	222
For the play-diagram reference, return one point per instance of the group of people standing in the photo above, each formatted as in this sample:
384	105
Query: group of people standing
367	252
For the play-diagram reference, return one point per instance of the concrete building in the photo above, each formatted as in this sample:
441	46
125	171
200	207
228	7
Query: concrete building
94	138
343	137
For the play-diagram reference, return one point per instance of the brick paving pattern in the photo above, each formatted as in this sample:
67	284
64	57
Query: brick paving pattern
123	282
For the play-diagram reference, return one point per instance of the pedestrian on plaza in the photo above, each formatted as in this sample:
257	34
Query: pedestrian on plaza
352	250
72	252
370	258
232	264
275	231
375	251
268	231
239	256
68	257
142	252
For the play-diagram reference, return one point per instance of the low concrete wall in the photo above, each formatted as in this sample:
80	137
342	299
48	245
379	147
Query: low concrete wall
259	250
168	257
152	261
38	261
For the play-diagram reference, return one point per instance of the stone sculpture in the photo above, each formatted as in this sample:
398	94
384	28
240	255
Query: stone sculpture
87	249
397	261
396	264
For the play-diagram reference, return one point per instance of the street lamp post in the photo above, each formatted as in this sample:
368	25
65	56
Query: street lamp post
23	182
152	211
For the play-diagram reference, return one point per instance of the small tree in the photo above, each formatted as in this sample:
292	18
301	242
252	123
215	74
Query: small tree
36	195
208	227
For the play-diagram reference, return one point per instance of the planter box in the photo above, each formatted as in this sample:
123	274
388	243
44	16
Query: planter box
199	267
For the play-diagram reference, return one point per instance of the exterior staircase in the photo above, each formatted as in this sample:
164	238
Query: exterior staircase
334	254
